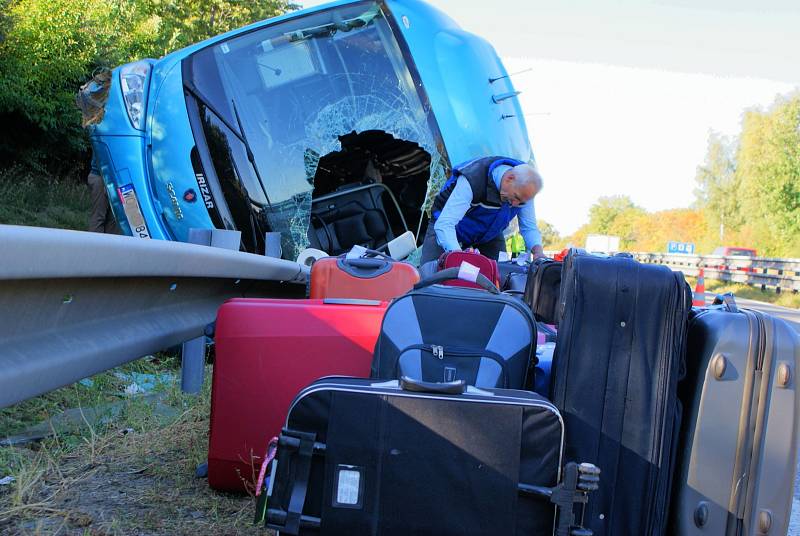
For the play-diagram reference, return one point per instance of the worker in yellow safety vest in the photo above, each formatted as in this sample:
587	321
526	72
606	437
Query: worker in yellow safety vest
515	244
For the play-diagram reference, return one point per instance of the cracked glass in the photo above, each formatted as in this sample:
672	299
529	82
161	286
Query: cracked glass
290	90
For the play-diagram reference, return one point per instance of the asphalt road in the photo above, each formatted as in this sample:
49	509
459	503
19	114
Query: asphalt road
793	317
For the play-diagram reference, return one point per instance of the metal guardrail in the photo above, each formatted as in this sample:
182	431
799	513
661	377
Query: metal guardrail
780	274
73	303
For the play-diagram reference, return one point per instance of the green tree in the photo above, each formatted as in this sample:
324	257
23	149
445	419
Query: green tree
604	213
48	48
550	234
717	185
617	216
768	168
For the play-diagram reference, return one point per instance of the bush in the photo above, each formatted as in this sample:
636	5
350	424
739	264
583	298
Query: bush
41	200
48	48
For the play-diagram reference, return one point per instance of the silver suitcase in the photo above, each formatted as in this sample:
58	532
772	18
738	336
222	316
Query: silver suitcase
738	447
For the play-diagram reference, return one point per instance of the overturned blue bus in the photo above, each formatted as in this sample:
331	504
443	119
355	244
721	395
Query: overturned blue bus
332	126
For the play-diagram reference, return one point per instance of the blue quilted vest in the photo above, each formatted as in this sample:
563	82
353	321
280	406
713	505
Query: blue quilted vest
487	216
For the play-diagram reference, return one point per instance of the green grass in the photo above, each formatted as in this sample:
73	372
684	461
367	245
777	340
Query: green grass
130	474
35	199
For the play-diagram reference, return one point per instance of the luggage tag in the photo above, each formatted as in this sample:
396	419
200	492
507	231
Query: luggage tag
468	272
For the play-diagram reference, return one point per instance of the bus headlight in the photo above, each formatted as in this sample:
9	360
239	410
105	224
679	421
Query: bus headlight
133	79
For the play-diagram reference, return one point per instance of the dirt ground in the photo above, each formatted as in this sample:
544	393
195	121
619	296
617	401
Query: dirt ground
135	477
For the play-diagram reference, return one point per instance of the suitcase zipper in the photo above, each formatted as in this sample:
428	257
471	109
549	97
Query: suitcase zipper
526	312
439	352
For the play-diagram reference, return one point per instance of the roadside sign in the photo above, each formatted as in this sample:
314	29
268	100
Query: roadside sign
680	247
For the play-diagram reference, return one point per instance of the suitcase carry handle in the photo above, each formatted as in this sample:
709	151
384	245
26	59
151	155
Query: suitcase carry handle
452	273
366	262
370	264
365	267
727	300
458	387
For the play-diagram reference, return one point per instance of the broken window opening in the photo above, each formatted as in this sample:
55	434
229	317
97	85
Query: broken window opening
303	102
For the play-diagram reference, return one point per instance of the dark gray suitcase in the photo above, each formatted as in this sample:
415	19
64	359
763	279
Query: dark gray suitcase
542	289
619	355
405	457
739	441
439	333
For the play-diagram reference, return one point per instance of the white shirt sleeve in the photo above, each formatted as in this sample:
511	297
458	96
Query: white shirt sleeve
453	211
527	226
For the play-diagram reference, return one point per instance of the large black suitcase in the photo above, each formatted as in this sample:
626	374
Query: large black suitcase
439	333
405	457
619	354
736	463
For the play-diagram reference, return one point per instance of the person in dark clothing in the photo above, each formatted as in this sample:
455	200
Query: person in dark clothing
476	204
101	219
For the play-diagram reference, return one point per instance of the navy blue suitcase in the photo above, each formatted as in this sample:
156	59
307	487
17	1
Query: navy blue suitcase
618	358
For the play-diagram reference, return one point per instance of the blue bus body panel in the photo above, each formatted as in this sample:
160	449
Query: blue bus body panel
170	140
454	68
120	152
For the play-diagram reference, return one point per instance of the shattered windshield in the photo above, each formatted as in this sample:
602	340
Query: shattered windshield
293	89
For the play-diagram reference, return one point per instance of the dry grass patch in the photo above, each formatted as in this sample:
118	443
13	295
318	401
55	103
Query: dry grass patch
134	476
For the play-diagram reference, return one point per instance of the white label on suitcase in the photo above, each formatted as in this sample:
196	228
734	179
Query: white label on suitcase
348	485
468	272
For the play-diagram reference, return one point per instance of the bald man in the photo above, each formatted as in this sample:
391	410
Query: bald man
477	203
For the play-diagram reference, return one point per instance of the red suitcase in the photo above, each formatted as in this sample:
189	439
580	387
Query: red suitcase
453	259
373	278
266	352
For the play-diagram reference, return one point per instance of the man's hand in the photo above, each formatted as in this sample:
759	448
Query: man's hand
471	250
537	252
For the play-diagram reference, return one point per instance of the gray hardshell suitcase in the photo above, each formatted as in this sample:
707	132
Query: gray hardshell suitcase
740	431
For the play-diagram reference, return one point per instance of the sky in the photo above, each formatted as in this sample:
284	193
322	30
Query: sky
622	95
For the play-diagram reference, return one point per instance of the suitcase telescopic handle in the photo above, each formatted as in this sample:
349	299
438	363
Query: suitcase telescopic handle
452	273
457	387
365	263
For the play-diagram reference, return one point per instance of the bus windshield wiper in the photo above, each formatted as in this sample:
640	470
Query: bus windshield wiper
331	28
250	155
205	102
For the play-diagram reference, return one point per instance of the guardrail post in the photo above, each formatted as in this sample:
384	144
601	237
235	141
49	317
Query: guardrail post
193	352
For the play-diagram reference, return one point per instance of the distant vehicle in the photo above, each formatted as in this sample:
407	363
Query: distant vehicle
728	251
602	244
324	125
